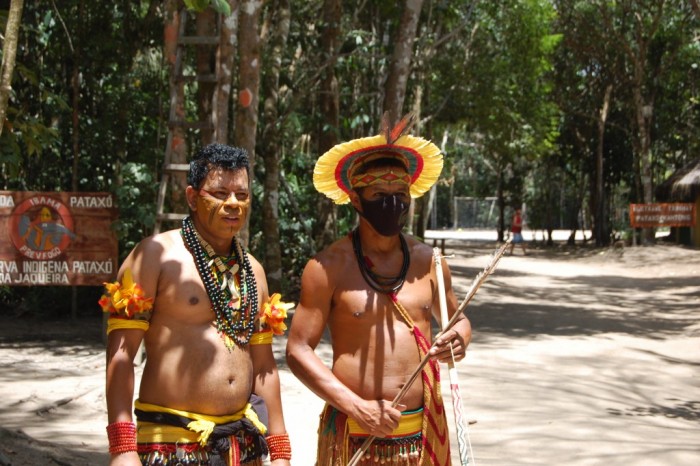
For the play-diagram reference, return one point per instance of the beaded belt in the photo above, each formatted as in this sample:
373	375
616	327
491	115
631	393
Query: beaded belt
399	451
172	455
401	448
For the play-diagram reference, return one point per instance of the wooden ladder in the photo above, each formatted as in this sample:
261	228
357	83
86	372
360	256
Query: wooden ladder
178	123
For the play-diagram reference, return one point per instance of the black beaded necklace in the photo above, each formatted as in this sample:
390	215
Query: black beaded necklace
235	313
380	283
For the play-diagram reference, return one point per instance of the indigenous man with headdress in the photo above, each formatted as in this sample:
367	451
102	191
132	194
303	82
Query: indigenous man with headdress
376	290
209	392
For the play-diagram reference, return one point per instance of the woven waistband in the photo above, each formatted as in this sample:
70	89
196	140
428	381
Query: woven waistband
409	424
200	428
148	432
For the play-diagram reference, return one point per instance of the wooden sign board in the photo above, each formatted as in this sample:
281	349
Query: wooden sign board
662	215
57	238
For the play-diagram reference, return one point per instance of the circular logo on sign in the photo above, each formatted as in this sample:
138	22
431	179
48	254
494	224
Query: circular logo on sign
41	228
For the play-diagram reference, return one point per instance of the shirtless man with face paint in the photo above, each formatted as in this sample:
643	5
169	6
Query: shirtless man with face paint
196	302
375	291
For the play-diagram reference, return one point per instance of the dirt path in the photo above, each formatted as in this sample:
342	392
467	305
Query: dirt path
579	357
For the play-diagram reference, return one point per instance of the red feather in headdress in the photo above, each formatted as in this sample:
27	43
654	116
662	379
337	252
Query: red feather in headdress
401	128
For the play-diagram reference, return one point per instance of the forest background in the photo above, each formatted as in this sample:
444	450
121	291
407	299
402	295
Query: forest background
573	108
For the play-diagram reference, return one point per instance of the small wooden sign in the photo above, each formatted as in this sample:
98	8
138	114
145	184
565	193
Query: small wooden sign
57	238
662	215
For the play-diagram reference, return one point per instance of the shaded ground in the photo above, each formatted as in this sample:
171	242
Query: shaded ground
580	357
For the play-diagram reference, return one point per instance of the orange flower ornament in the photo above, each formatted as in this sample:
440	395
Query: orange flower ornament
274	312
125	299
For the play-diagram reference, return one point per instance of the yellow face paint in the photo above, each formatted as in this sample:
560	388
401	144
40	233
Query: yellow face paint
224	202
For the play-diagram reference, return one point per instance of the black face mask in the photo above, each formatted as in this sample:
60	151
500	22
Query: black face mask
387	215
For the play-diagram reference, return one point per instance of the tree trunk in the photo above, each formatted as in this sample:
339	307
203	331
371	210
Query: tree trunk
602	233
325	230
271	147
248	76
248	84
75	137
643	114
224	74
206	26
695	5
400	68
9	52
177	139
75	101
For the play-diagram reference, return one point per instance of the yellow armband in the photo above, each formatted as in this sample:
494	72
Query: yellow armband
273	314
261	338
126	300
115	323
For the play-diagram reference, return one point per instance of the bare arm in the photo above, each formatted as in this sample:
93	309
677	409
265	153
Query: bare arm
123	344
375	416
266	382
460	333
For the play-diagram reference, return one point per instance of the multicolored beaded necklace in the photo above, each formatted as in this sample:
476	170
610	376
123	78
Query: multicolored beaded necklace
235	304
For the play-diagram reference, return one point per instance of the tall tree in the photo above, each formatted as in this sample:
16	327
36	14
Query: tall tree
630	45
248	75
224	72
9	52
400	69
177	138
208	25
246	124
75	87
443	26
271	141
329	101
400	66
511	117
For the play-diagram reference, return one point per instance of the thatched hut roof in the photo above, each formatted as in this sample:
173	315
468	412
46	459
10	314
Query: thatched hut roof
682	186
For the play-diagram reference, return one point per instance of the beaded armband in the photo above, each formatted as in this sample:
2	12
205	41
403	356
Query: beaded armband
273	314
122	437
125	303
280	447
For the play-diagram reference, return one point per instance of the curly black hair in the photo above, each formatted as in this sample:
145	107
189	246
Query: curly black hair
216	156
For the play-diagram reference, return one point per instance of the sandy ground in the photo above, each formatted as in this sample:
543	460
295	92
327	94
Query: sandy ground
579	357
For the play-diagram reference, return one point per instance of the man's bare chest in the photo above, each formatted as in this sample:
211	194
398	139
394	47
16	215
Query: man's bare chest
356	298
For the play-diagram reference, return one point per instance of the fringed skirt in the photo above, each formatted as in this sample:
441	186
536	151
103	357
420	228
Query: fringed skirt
340	437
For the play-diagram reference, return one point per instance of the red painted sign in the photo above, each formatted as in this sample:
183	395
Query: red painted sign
57	238
662	215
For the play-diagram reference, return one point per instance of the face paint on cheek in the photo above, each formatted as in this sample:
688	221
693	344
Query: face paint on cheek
211	205
212	214
244	206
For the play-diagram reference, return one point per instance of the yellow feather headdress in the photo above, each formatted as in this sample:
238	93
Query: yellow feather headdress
422	159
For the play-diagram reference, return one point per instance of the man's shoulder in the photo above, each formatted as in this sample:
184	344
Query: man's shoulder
159	244
167	238
416	246
336	255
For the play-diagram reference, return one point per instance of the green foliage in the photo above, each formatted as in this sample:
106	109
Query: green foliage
512	87
220	6
135	199
500	116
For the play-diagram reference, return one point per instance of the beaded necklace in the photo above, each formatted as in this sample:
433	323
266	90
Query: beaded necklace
380	283
234	304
